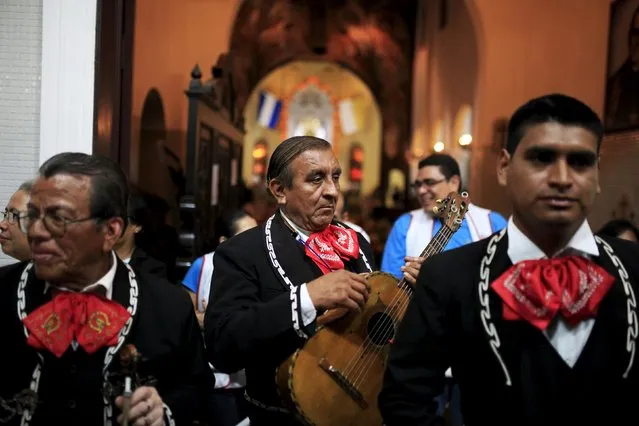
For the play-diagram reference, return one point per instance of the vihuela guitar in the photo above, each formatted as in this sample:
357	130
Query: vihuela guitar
335	378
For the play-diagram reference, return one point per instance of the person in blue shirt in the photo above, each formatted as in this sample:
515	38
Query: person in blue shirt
226	405
438	175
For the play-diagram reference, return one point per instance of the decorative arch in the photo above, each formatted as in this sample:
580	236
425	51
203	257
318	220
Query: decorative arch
372	38
339	86
152	155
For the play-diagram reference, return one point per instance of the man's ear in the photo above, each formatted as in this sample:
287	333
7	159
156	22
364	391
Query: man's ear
277	189
502	167
112	229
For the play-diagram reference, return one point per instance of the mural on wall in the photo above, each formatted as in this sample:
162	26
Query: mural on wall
622	87
373	38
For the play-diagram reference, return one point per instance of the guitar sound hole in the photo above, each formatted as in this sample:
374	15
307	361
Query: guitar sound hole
381	328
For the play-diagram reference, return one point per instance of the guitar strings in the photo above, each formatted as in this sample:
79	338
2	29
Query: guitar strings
363	363
392	305
359	364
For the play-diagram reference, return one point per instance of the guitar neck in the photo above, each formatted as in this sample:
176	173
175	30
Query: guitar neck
435	246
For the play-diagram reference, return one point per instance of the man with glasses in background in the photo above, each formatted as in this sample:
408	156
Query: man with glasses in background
13	241
438	176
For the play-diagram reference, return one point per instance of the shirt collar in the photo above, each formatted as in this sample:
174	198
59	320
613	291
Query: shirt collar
303	235
106	281
521	248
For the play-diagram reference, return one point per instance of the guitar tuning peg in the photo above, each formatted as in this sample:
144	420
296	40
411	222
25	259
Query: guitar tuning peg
435	209
439	201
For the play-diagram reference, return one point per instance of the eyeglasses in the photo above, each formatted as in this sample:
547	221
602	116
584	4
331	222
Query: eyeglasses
426	182
56	225
12	216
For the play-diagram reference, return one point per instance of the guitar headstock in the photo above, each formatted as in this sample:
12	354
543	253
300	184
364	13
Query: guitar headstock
451	210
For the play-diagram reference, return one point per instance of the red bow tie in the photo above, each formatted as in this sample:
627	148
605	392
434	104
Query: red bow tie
329	248
92	321
536	290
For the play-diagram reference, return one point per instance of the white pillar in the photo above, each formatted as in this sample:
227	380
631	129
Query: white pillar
68	76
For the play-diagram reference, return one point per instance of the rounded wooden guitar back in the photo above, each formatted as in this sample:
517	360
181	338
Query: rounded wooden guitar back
334	380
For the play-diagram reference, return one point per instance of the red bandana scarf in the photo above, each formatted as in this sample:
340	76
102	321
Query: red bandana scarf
92	321
329	248
536	290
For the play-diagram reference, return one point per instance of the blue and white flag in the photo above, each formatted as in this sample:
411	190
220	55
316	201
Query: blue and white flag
268	110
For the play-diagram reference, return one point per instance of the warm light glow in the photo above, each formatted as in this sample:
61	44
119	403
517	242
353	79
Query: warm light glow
258	169
465	139
356	175
439	146
358	155
259	152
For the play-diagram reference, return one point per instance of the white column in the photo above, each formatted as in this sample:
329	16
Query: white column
68	74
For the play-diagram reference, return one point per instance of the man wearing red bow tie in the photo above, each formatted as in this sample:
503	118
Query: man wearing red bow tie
67	316
538	321
270	282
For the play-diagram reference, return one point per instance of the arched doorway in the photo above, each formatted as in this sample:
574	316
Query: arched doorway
152	135
374	38
320	99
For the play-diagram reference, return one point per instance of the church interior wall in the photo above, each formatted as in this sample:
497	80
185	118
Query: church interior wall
171	37
523	49
339	83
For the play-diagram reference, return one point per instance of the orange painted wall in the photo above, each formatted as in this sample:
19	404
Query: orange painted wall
524	48
171	36
529	48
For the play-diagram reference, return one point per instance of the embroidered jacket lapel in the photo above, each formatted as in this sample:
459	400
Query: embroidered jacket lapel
121	286
502	336
125	292
34	293
288	254
613	326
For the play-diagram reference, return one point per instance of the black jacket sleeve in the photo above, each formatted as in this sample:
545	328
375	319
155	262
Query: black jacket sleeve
419	355
184	399
239	325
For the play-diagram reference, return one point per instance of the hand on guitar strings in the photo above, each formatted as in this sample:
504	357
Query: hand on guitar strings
339	289
411	268
146	409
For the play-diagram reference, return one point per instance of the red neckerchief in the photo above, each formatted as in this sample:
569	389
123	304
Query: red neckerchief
536	290
329	248
89	319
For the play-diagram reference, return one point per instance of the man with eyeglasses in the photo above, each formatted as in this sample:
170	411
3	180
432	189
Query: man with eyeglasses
13	241
438	176
69	314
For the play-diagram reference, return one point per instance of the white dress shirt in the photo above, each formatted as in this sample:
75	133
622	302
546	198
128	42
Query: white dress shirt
309	313
568	341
